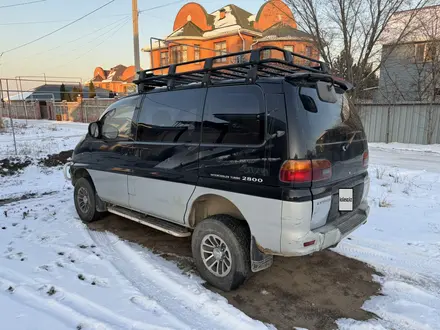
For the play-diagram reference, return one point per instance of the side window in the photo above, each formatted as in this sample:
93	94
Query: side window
234	115
118	122
171	116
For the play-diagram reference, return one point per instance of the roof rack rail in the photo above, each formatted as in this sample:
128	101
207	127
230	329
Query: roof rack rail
251	65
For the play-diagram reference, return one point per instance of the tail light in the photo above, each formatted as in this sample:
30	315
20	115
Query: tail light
365	159
305	170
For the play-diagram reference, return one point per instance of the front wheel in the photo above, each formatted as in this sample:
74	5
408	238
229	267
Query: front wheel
85	201
220	247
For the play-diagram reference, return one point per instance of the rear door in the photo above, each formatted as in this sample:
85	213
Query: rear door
233	149
167	144
328	130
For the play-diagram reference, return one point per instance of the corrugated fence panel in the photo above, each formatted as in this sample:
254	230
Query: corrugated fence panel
407	123
436	121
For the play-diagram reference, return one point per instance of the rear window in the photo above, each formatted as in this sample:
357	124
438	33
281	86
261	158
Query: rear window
331	122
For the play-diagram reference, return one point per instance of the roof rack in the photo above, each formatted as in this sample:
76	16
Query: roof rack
250	65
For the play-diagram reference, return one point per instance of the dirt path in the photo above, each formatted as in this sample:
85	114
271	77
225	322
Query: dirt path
310	292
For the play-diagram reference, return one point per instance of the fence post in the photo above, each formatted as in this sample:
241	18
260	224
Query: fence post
10	117
86	110
388	123
430	131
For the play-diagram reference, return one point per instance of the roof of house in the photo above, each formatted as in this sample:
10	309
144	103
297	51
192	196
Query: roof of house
284	31
52	91
242	17
119	73
115	73
19	96
188	30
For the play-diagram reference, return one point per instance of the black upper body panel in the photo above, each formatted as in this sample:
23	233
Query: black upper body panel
232	136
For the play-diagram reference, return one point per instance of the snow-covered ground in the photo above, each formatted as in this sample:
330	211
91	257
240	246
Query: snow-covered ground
434	148
38	138
56	274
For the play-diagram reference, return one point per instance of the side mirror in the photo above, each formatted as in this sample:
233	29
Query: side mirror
94	130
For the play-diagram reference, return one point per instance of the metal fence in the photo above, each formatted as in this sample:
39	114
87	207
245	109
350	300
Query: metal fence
414	122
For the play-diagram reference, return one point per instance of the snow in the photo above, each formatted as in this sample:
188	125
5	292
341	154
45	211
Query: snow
39	138
228	19
432	148
401	240
57	274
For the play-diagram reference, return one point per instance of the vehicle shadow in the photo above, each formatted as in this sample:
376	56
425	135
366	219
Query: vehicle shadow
310	292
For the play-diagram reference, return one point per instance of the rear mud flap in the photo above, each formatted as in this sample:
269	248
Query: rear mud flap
101	206
259	260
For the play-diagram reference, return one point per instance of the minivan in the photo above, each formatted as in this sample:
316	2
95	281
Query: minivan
253	158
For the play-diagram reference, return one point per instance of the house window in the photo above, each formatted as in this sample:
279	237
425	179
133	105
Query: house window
431	52
164	59
196	52
179	54
309	51
266	53
289	48
420	52
220	49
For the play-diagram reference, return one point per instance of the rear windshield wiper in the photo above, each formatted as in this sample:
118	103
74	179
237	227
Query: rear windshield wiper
348	144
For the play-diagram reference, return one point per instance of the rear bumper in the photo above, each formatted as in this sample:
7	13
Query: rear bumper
325	236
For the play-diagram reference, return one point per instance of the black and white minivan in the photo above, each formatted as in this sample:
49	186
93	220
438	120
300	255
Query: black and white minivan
253	159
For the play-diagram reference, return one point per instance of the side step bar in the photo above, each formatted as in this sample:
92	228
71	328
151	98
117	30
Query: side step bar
162	225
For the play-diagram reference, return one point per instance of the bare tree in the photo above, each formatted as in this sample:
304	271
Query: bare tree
352	29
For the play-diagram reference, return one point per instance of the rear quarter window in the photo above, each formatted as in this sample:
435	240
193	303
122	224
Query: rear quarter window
234	115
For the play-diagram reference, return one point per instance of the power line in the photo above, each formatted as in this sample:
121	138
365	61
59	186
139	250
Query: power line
115	29
38	22
22	4
59	29
161	6
71	41
68	20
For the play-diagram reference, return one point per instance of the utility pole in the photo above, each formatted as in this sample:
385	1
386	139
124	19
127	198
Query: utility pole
135	14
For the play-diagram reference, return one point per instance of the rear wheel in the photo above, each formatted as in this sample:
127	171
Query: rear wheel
85	201
220	247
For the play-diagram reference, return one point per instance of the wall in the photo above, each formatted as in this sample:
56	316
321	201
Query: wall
115	86
401	122
233	44
87	110
299	47
271	12
18	110
198	16
400	75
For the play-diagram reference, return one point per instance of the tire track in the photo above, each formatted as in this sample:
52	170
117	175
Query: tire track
66	306
192	305
411	266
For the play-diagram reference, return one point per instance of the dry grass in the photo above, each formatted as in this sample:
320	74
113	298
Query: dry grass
380	173
383	202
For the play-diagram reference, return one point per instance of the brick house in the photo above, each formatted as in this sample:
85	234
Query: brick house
197	34
118	79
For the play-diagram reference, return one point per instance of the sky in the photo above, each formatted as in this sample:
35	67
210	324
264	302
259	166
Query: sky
101	39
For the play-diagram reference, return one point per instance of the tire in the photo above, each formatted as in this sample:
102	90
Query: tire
87	209
236	238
